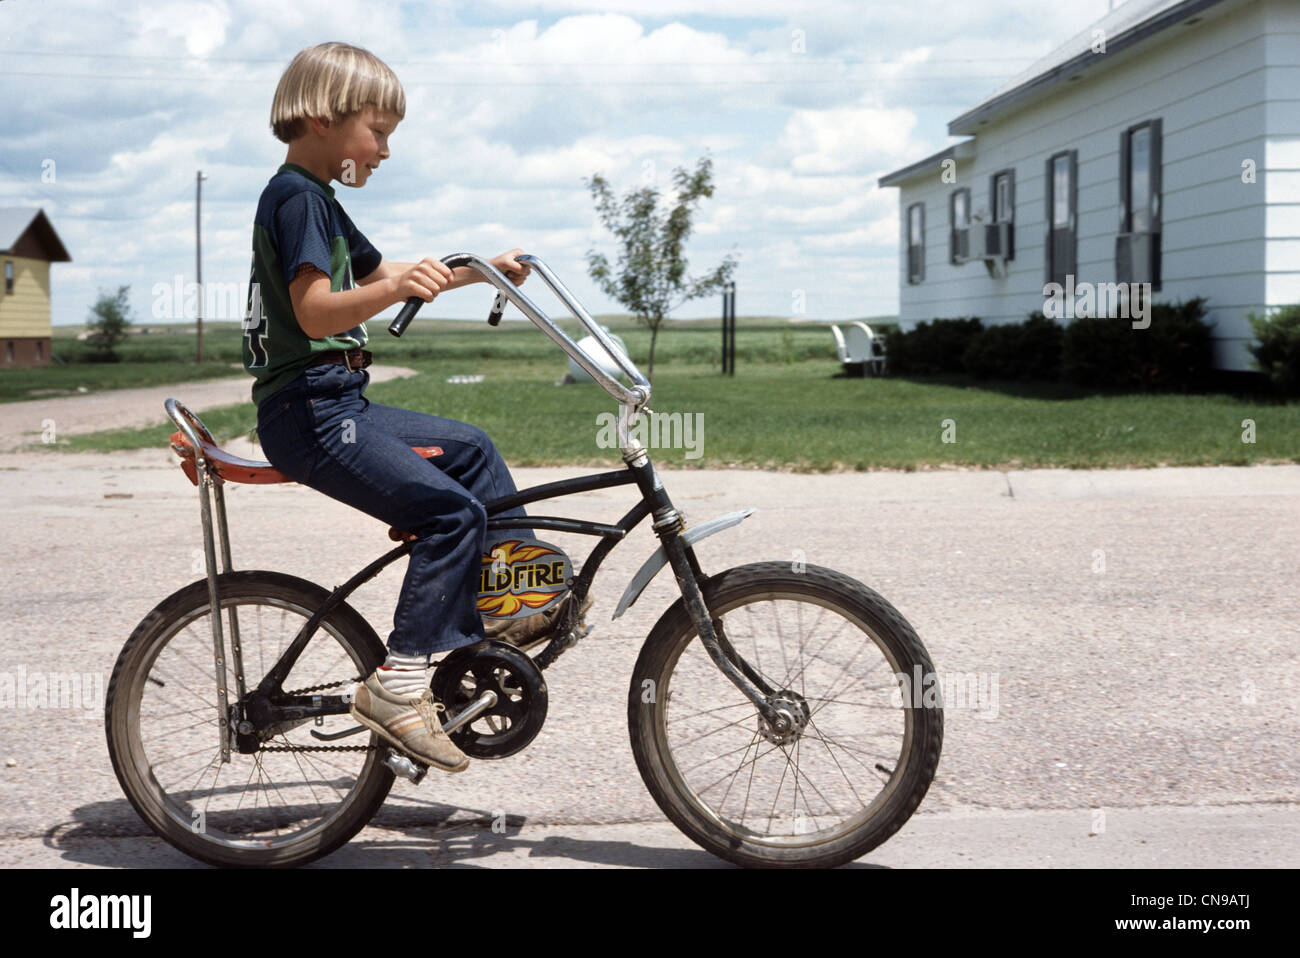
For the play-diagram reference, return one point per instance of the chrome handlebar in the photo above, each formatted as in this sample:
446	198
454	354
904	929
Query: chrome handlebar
634	397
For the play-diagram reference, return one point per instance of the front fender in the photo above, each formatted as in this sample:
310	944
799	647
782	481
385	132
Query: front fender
650	568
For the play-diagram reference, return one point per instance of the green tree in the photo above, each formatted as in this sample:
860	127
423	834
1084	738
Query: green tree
650	277
111	315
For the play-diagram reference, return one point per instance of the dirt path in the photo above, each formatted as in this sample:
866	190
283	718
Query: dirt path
23	422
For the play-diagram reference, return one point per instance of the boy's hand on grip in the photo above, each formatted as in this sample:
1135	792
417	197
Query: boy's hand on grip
426	279
514	270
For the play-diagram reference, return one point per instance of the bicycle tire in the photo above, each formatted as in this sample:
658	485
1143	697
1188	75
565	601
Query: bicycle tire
660	676
186	613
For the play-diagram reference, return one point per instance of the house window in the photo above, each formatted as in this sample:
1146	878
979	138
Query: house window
1137	247
40	351
959	225
916	242
1002	199
9	276
9	351
1062	206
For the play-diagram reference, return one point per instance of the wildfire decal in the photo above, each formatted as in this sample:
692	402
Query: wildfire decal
519	577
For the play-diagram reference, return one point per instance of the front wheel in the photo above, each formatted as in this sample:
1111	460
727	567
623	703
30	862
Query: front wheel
863	750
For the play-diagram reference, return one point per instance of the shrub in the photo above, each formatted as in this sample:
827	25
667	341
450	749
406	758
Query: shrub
1099	351
1172	353
931	347
1277	353
1028	350
1176	349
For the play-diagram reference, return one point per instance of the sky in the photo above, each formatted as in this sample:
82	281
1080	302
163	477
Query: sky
110	109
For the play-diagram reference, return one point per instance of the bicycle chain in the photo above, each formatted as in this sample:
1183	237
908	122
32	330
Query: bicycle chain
327	685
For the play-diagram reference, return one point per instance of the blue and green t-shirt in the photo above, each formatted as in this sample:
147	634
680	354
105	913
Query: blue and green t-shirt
298	221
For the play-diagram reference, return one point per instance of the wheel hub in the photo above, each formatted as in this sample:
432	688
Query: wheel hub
792	718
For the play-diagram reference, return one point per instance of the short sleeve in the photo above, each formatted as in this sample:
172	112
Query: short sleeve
365	258
302	234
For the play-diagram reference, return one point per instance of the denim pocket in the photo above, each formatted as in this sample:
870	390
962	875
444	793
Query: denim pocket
327	378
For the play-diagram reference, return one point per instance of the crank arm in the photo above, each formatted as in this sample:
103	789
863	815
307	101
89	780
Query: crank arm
472	711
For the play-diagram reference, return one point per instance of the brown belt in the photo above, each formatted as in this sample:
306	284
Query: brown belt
353	359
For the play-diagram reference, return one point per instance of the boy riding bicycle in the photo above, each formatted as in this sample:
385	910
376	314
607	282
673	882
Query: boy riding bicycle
318	279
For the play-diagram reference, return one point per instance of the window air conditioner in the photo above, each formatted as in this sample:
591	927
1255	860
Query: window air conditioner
990	242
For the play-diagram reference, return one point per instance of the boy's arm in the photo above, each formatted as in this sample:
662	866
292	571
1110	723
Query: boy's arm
322	313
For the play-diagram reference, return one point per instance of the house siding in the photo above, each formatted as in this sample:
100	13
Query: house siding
25	313
1215	86
1280	167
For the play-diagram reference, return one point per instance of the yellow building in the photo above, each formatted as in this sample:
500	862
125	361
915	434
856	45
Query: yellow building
28	245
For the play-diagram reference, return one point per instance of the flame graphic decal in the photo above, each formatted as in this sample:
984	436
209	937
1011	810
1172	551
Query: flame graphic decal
509	603
513	550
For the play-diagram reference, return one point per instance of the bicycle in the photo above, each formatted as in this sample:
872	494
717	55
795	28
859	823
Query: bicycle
727	668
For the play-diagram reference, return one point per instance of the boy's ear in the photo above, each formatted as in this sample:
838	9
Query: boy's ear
319	124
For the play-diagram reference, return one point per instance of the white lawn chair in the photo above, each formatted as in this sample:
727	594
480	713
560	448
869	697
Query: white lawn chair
597	354
859	349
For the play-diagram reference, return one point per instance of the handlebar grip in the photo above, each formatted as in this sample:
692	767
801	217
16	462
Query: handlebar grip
498	307
398	326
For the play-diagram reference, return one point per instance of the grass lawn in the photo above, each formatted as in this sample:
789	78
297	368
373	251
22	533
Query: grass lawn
785	408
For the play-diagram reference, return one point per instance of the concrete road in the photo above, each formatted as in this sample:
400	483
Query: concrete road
1142	629
25	423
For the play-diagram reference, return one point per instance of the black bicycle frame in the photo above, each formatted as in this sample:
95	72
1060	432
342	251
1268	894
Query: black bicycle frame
268	705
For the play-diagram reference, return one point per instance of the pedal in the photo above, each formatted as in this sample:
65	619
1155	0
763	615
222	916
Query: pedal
406	767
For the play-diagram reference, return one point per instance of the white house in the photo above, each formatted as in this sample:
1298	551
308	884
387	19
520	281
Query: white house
1169	133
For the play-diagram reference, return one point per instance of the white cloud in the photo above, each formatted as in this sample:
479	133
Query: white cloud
848	139
201	26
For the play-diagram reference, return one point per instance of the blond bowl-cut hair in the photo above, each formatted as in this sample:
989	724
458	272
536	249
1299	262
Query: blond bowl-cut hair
332	80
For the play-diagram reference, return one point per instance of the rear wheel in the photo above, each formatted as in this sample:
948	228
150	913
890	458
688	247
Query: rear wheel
861	753
292	800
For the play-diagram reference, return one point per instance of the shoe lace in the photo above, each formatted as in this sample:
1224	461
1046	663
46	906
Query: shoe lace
429	709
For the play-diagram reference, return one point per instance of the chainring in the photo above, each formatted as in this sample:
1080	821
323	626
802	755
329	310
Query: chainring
520	710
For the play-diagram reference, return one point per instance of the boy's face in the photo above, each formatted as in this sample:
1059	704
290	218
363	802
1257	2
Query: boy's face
357	144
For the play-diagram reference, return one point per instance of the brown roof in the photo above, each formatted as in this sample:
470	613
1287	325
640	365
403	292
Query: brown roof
27	232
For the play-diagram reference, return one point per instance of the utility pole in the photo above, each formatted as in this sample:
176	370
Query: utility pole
729	329
198	252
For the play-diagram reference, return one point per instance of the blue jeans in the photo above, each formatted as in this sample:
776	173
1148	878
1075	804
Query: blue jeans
321	431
